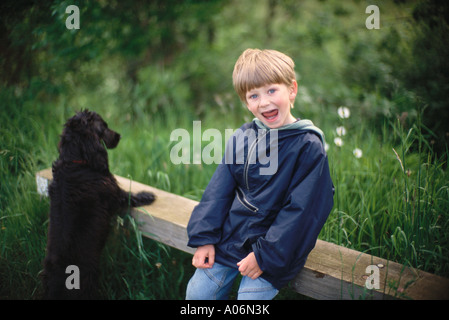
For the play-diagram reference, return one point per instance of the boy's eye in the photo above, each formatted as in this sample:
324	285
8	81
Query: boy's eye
252	96
270	91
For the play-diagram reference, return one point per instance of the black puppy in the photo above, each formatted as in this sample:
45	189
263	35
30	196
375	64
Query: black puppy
84	196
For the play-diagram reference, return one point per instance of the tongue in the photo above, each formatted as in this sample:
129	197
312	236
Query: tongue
270	114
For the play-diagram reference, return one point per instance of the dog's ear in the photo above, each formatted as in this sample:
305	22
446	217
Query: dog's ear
74	130
95	153
69	140
99	158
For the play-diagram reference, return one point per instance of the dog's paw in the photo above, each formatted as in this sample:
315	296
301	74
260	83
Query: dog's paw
143	198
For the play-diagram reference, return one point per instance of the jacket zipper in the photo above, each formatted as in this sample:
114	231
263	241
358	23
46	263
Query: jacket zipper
250	152
245	201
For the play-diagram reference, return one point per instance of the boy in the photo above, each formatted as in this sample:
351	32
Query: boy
262	226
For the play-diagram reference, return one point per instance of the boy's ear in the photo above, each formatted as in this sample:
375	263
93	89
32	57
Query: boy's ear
293	90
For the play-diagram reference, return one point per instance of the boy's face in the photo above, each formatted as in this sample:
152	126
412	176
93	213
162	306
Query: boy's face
271	103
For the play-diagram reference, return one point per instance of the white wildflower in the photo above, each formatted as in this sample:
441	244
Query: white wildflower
338	141
357	153
343	112
341	131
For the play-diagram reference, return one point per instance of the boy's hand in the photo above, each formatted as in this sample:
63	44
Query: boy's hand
204	257
249	267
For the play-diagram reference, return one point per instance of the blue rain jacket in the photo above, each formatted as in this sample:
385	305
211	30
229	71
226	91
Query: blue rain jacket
278	215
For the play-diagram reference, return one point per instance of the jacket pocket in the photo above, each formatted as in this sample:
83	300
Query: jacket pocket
244	201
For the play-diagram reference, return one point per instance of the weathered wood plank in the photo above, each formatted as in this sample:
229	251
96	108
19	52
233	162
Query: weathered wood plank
331	271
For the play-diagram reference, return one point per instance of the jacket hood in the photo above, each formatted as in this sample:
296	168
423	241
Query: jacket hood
300	125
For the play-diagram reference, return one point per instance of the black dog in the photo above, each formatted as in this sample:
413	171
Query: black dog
84	196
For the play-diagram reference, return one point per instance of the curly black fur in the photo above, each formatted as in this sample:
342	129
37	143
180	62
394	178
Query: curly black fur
84	197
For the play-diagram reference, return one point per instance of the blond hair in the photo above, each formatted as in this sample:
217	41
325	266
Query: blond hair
256	68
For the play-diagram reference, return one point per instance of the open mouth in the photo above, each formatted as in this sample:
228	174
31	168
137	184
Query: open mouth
271	115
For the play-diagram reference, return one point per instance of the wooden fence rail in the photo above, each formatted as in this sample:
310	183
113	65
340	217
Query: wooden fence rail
331	271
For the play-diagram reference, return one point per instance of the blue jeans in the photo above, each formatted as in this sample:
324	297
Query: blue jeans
216	283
